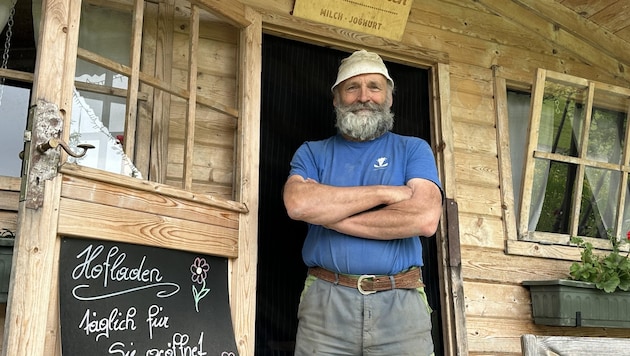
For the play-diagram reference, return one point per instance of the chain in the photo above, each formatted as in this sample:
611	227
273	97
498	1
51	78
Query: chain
7	45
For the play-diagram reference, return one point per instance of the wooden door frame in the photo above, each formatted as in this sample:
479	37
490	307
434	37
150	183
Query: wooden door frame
453	311
32	319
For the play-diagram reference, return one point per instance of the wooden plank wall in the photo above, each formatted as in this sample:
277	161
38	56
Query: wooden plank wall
9	199
477	36
215	132
473	37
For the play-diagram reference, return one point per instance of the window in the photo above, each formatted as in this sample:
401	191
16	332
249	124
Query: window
570	159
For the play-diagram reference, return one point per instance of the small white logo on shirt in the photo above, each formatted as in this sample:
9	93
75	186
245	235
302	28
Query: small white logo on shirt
380	163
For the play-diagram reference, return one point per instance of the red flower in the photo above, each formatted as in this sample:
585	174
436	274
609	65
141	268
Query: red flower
628	235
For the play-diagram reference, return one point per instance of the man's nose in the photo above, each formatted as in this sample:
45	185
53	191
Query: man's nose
365	95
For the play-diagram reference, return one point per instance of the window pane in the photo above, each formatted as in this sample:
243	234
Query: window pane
13	114
518	122
553	188
625	225
577	166
561	119
608	125
599	202
98	118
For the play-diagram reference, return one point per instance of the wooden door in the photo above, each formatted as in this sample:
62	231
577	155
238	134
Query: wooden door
190	132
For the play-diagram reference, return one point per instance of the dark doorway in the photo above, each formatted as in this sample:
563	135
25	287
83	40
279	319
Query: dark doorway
297	106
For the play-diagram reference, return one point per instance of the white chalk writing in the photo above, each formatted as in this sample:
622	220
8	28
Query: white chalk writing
111	269
136	325
156	321
116	321
179	347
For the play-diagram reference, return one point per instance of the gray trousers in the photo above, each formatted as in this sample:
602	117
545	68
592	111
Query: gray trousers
337	320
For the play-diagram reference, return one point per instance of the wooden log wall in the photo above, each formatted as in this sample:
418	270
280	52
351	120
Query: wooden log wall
476	38
187	106
9	198
213	162
9	201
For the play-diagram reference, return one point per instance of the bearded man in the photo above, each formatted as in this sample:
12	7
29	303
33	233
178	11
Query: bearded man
367	195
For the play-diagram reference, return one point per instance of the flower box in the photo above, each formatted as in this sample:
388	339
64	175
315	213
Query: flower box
562	302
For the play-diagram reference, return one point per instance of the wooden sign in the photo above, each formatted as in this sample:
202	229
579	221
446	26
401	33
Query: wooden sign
132	300
385	18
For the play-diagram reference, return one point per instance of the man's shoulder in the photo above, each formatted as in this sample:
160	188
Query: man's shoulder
397	138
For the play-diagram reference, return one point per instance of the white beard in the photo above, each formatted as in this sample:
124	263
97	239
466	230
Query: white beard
364	125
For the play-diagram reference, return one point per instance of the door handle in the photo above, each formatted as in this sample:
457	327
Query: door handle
54	143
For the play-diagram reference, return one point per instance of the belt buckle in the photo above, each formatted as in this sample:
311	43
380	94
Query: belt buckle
360	280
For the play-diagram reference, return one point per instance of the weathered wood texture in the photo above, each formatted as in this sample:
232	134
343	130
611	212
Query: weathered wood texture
9	201
201	129
144	213
35	249
476	41
513	39
573	345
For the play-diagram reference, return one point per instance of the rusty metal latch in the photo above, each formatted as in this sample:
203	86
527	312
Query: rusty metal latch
40	164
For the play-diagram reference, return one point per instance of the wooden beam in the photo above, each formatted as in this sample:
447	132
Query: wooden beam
161	111
155	82
329	36
243	269
32	307
581	28
118	224
131	107
530	19
191	107
232	13
148	186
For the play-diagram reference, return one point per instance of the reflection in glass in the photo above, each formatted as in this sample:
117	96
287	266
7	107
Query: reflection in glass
562	119
99	119
13	115
553	187
87	128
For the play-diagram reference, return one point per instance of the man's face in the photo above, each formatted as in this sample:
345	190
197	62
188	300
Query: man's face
362	104
362	88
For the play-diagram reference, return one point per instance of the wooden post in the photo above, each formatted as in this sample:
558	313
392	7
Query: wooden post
31	326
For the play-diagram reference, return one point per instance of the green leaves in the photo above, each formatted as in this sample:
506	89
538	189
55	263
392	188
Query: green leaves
609	272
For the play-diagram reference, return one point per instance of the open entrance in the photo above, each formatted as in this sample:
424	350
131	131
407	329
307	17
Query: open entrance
297	106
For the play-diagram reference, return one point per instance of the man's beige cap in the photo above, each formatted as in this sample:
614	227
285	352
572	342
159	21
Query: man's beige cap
361	62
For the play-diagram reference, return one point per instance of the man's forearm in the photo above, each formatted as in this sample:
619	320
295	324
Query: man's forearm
322	204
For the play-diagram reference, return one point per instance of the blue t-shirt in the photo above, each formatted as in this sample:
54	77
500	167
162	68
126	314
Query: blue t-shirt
390	159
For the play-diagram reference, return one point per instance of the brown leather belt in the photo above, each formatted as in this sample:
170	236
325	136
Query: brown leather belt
368	283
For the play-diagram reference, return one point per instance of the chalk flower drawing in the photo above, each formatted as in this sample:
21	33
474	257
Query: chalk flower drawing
199	270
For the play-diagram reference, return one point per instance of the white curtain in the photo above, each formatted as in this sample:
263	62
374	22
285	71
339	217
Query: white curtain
518	112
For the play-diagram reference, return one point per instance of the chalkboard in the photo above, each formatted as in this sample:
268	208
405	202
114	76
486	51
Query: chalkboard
131	300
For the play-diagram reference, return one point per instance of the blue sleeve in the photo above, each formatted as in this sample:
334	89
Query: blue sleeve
304	163
422	164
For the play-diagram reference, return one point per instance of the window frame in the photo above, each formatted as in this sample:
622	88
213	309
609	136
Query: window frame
520	241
